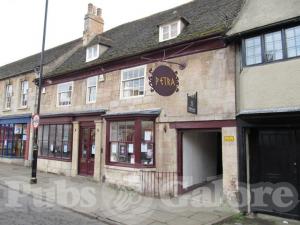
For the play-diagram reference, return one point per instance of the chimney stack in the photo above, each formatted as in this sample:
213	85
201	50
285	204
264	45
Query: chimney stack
93	23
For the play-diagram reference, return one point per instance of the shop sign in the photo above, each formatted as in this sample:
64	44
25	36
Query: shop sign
192	104
36	121
164	81
229	138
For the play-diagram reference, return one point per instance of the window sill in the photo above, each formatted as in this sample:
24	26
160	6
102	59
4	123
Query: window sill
23	108
132	97
129	167
55	159
6	110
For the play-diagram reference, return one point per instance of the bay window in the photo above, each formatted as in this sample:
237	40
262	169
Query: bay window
131	142
273	46
132	82
64	94
55	141
24	93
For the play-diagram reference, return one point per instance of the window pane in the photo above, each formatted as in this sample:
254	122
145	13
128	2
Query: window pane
67	141
58	141
147	142
273	45
174	29
253	50
52	140
293	41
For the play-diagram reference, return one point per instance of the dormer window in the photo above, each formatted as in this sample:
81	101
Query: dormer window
92	53
170	30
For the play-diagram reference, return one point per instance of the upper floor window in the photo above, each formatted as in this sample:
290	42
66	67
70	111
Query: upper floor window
24	93
170	30
92	53
132	82
64	94
272	46
293	41
8	96
253	51
91	94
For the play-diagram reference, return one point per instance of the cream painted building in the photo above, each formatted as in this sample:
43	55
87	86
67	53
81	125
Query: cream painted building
267	33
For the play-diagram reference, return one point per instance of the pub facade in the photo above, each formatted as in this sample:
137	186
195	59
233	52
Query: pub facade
160	100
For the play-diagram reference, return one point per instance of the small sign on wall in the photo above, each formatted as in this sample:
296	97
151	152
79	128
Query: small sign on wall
229	139
192	103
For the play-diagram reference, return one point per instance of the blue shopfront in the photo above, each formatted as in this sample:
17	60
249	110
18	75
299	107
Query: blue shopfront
14	136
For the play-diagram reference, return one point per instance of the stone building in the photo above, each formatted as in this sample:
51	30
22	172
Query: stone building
17	101
268	103
153	97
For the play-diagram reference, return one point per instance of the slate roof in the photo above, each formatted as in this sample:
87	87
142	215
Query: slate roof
204	17
29	63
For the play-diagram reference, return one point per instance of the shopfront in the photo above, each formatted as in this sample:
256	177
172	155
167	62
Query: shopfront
14	138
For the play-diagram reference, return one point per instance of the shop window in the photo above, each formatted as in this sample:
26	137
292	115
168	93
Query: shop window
55	141
132	82
24	93
91	94
131	142
8	96
64	94
13	139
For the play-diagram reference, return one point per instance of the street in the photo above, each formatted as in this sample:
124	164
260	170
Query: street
32	211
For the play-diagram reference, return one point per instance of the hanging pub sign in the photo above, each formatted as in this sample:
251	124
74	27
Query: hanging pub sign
164	80
192	103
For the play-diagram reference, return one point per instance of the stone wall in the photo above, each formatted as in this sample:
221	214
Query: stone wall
54	166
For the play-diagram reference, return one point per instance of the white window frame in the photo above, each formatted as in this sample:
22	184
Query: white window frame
94	56
87	89
57	94
121	82
169	25
22	93
6	97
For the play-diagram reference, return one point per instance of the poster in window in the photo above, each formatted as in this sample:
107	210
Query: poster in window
65	148
114	148
144	148
130	148
93	149
149	153
5	142
148	135
51	148
132	161
122	150
24	137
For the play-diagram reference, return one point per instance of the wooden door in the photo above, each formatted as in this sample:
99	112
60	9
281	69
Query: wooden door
274	159
87	151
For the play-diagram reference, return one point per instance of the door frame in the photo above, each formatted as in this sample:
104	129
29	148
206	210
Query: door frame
85	125
180	132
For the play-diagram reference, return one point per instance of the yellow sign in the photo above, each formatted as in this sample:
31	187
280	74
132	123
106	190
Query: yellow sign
229	138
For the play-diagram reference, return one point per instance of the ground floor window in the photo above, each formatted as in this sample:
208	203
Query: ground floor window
131	142
55	141
13	139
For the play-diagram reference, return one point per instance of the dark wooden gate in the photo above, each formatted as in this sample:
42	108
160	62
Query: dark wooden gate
274	159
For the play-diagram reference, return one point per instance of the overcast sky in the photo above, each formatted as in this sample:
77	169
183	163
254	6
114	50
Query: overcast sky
21	21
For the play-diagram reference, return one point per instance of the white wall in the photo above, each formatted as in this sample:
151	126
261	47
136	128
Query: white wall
258	13
199	157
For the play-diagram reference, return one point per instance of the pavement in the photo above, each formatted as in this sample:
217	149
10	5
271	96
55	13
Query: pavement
37	212
112	205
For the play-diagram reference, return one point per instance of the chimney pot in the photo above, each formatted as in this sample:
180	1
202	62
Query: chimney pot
99	12
90	8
